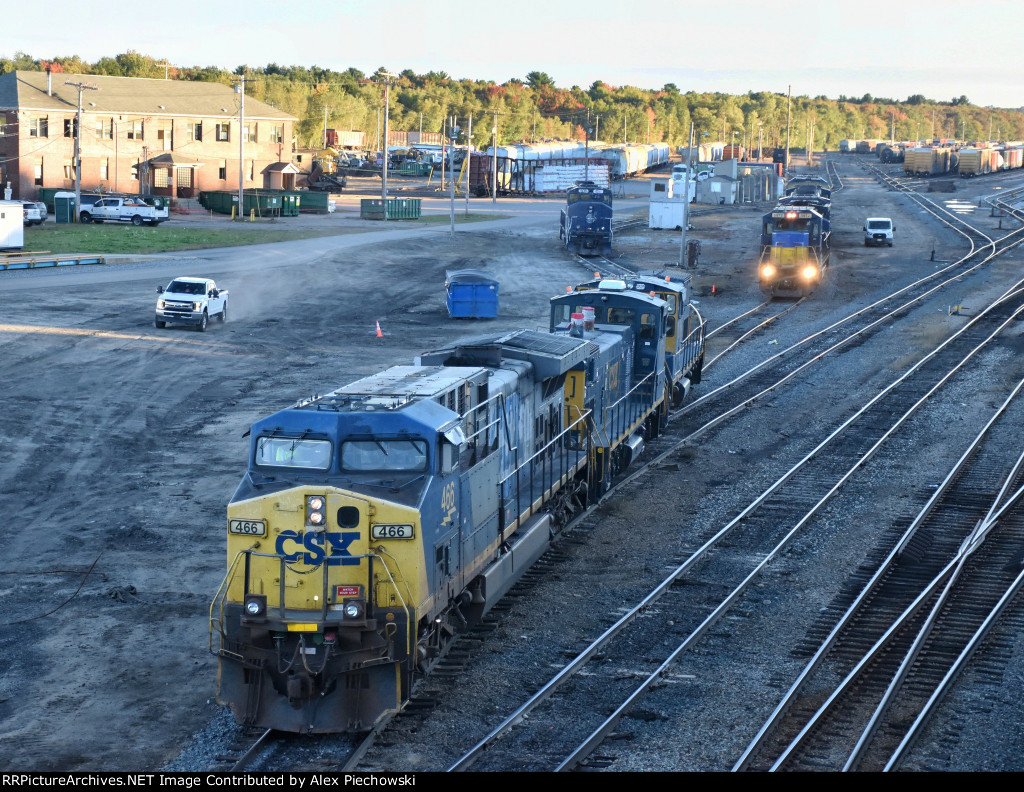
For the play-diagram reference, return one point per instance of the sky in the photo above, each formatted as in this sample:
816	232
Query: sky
888	49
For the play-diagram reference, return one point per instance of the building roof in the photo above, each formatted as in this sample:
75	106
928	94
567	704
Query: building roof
26	91
174	160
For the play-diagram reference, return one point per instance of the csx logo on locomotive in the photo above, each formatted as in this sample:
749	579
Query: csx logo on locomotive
313	543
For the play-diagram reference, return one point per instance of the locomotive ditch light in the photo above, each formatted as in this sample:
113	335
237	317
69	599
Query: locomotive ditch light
354	609
768	271
255	607
810	272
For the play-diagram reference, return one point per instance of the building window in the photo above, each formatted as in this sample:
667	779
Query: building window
69	169
252	170
104	128
223	132
70	127
277	133
250	132
104	170
135	130
161	177
222	174
183	178
135	172
165	135
196	131
38	126
39	174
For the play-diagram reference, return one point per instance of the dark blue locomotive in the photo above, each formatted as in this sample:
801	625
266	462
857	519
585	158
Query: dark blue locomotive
585	224
375	523
796	239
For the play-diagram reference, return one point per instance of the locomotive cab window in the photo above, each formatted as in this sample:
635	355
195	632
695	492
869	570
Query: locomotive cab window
293	452
384	454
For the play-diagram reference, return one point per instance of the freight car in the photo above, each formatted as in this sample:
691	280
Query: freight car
927	161
795	250
585	225
378	521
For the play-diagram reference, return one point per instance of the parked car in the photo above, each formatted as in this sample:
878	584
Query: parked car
30	213
43	213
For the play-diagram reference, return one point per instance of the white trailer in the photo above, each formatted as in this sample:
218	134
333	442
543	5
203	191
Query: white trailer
12	225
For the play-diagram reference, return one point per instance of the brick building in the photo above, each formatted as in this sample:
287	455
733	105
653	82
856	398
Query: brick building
162	137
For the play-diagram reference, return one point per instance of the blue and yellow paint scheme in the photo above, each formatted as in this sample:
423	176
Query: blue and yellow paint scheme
376	522
795	250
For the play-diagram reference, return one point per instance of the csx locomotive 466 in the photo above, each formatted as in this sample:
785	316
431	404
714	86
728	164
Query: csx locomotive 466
585	225
375	523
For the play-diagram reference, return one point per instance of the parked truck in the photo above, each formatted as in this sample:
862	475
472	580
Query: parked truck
191	301
123	210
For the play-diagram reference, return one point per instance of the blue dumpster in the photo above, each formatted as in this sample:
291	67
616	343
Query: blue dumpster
471	294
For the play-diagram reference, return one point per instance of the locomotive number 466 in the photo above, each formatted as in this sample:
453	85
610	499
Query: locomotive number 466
386	531
248	527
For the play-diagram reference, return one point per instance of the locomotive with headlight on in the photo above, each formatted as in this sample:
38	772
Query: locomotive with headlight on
377	522
795	246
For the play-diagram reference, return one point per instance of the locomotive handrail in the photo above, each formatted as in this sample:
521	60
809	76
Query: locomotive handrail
615	405
541	454
380	554
220	597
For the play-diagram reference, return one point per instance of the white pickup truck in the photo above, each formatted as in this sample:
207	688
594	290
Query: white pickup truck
123	210
191	301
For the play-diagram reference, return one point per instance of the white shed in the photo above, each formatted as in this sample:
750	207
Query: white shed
12	225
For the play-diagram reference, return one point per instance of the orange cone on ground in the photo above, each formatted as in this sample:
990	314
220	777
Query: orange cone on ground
379	333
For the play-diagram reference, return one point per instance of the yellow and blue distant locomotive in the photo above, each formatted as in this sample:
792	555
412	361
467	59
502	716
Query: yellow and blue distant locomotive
795	250
585	225
376	522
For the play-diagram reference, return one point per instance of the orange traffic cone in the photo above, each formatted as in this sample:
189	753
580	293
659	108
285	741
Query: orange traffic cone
713	290
379	333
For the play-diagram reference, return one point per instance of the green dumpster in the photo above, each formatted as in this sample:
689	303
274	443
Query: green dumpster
393	209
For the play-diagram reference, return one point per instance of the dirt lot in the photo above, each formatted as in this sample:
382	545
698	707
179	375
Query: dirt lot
124	444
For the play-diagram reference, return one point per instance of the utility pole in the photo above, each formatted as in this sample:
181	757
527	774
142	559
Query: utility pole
78	151
325	125
760	127
454	132
240	88
388	77
789	121
494	164
469	159
586	149
686	200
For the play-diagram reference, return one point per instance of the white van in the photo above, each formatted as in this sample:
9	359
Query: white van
878	231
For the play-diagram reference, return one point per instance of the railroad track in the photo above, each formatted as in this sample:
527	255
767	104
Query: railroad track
744	327
537	740
920	612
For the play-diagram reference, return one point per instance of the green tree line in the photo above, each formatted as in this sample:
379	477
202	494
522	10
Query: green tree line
533	108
